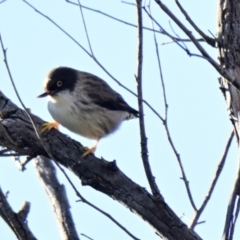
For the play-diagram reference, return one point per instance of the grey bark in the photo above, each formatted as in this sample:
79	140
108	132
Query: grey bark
57	195
229	57
16	133
16	221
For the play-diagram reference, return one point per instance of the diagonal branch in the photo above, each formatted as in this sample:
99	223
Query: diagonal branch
101	175
48	150
17	222
85	27
130	24
214	182
208	39
231	79
233	205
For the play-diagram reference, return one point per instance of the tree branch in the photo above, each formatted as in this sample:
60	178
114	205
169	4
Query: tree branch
229	77
101	175
58	198
17	222
144	147
214	182
47	149
209	40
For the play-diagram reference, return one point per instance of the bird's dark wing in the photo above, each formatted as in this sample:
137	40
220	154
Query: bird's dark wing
103	95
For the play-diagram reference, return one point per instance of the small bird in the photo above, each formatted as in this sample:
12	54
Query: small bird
85	104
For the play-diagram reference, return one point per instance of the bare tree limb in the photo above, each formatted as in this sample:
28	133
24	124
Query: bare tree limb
101	175
159	66
130	24
85	27
165	123
229	77
58	198
209	40
214	182
46	147
86	236
111	17
184	177
14	221
144	147
233	206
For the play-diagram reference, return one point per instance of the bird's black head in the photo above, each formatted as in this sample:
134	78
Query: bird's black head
60	79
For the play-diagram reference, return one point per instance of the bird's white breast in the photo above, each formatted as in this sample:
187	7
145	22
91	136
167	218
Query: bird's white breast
83	117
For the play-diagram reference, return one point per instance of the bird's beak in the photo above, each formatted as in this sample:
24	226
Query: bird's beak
43	95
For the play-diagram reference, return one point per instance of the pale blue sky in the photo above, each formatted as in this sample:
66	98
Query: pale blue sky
198	118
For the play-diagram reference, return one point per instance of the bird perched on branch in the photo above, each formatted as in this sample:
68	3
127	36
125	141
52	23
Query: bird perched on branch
85	104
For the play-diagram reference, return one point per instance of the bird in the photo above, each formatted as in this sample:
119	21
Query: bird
84	104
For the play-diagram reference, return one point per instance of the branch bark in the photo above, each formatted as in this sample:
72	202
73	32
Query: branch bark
100	174
228	47
58	198
16	221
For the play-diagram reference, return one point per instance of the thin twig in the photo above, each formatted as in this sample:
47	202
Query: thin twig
84	235
164	32
182	40
183	43
235	219
209	40
130	24
159	67
144	147
165	123
166	119
184	177
232	80
178	41
214	182
85	27
98	63
232	210
112	17
50	154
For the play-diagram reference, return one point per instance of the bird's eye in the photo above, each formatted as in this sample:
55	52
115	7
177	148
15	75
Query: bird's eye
59	83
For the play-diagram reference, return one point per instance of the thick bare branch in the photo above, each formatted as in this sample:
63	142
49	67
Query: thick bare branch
101	175
47	149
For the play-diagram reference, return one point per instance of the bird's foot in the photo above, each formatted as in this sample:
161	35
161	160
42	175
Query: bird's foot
46	127
89	151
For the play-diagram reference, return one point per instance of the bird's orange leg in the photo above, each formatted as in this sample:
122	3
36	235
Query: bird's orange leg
91	150
46	127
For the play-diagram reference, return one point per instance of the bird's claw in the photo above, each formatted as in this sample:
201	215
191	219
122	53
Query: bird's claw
89	151
46	127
